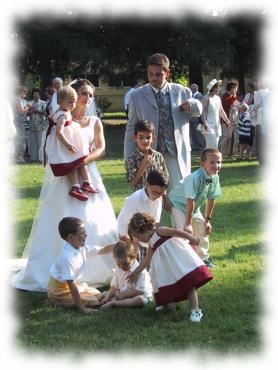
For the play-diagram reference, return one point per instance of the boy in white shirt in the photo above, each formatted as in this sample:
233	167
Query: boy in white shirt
147	200
63	287
122	293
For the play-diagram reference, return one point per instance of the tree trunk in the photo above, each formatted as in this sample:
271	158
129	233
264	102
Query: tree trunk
195	76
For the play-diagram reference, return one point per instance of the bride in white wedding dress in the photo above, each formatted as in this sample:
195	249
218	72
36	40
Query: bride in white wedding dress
44	242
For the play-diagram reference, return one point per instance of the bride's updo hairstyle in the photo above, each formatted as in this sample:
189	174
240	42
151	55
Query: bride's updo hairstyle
141	223
81	82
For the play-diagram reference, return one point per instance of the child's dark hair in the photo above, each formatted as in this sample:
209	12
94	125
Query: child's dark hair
141	223
208	151
123	250
143	126
158	178
69	225
159	59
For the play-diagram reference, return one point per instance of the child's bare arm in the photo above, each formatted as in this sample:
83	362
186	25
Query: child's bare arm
167	205
132	277
190	204
76	297
110	294
223	115
208	214
168	231
107	249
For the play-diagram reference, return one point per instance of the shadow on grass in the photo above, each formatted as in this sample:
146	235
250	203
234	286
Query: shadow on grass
237	216
26	301
237	175
29	192
235	253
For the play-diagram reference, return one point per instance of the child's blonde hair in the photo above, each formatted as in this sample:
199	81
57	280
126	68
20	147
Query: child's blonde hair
65	92
244	107
141	223
123	250
209	151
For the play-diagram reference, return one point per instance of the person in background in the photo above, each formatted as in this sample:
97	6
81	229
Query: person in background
21	123
244	131
48	113
196	138
212	112
249	100
37	123
57	83
230	103
48	93
261	107
7	142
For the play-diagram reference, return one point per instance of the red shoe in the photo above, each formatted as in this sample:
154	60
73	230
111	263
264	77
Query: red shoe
77	193
88	188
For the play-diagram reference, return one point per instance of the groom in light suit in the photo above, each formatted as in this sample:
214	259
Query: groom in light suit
169	106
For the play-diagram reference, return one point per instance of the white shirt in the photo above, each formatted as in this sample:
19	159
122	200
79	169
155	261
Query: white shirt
138	202
70	263
143	282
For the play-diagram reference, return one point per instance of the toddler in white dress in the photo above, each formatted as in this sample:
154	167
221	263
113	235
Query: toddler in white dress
66	147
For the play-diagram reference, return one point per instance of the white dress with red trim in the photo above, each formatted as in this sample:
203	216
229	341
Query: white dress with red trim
44	243
175	269
61	161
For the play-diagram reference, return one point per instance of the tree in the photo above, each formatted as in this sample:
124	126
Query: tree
86	45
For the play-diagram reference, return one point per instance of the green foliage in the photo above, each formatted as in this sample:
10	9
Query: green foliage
231	302
85	45
103	103
182	80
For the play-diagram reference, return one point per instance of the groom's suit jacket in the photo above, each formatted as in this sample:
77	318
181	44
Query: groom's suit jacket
143	106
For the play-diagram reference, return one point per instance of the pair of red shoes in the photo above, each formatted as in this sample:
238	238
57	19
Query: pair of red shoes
78	193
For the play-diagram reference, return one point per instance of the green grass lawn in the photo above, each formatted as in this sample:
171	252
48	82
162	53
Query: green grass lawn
231	302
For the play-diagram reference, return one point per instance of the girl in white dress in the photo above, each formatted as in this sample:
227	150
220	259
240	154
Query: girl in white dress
176	270
65	146
212	111
44	242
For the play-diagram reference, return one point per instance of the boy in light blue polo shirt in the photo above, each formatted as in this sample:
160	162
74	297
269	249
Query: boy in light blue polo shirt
191	193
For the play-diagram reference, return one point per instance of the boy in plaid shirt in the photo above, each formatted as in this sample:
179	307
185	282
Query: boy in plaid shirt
143	159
